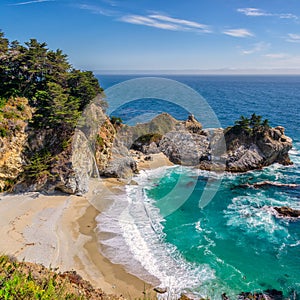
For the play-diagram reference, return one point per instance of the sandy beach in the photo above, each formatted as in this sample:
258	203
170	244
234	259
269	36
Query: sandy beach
58	231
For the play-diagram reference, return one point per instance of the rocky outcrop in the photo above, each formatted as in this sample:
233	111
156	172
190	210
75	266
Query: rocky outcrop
217	149
104	144
148	143
248	152
11	158
192	125
267	183
121	164
287	212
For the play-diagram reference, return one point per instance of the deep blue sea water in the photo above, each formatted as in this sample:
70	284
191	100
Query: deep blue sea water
234	243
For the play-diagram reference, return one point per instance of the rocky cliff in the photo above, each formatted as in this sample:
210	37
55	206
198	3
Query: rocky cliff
99	148
217	149
253	151
13	138
75	156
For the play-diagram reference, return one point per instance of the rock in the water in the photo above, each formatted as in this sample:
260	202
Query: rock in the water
266	295
287	212
247	151
212	149
160	290
267	183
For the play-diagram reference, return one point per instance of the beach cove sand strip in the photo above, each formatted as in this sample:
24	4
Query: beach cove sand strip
58	231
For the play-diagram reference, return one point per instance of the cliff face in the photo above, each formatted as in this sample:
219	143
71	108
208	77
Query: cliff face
121	164
98	147
254	152
13	138
11	159
75	156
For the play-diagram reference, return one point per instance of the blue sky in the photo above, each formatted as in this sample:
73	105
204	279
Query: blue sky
162	34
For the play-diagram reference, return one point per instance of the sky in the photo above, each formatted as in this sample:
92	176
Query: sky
186	36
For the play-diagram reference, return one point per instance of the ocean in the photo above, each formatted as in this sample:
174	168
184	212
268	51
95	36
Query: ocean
233	243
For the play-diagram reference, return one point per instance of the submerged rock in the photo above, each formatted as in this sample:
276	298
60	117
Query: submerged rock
270	294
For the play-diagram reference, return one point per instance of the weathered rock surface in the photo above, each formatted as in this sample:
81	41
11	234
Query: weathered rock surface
12	145
70	166
270	294
246	152
188	144
287	212
99	147
185	148
121	164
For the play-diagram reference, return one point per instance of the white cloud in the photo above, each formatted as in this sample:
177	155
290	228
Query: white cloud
258	47
293	38
252	12
240	32
140	20
276	55
256	12
287	16
186	23
96	10
165	22
31	2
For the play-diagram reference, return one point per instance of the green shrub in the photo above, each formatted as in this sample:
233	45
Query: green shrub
99	141
3	132
149	138
39	164
116	120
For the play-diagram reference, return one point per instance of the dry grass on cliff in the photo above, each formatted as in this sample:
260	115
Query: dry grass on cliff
14	115
21	280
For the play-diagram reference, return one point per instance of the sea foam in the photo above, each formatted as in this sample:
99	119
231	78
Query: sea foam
134	237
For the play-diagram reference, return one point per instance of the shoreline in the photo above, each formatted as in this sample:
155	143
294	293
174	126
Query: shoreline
59	231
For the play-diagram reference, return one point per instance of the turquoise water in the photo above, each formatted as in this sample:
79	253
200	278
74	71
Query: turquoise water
235	243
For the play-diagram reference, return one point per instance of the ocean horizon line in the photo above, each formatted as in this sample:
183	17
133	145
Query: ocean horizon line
214	72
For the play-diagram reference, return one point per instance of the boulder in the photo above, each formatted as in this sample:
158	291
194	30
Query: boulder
287	212
185	148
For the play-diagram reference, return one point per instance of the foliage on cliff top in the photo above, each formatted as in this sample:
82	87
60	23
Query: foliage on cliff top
57	95
251	126
56	90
